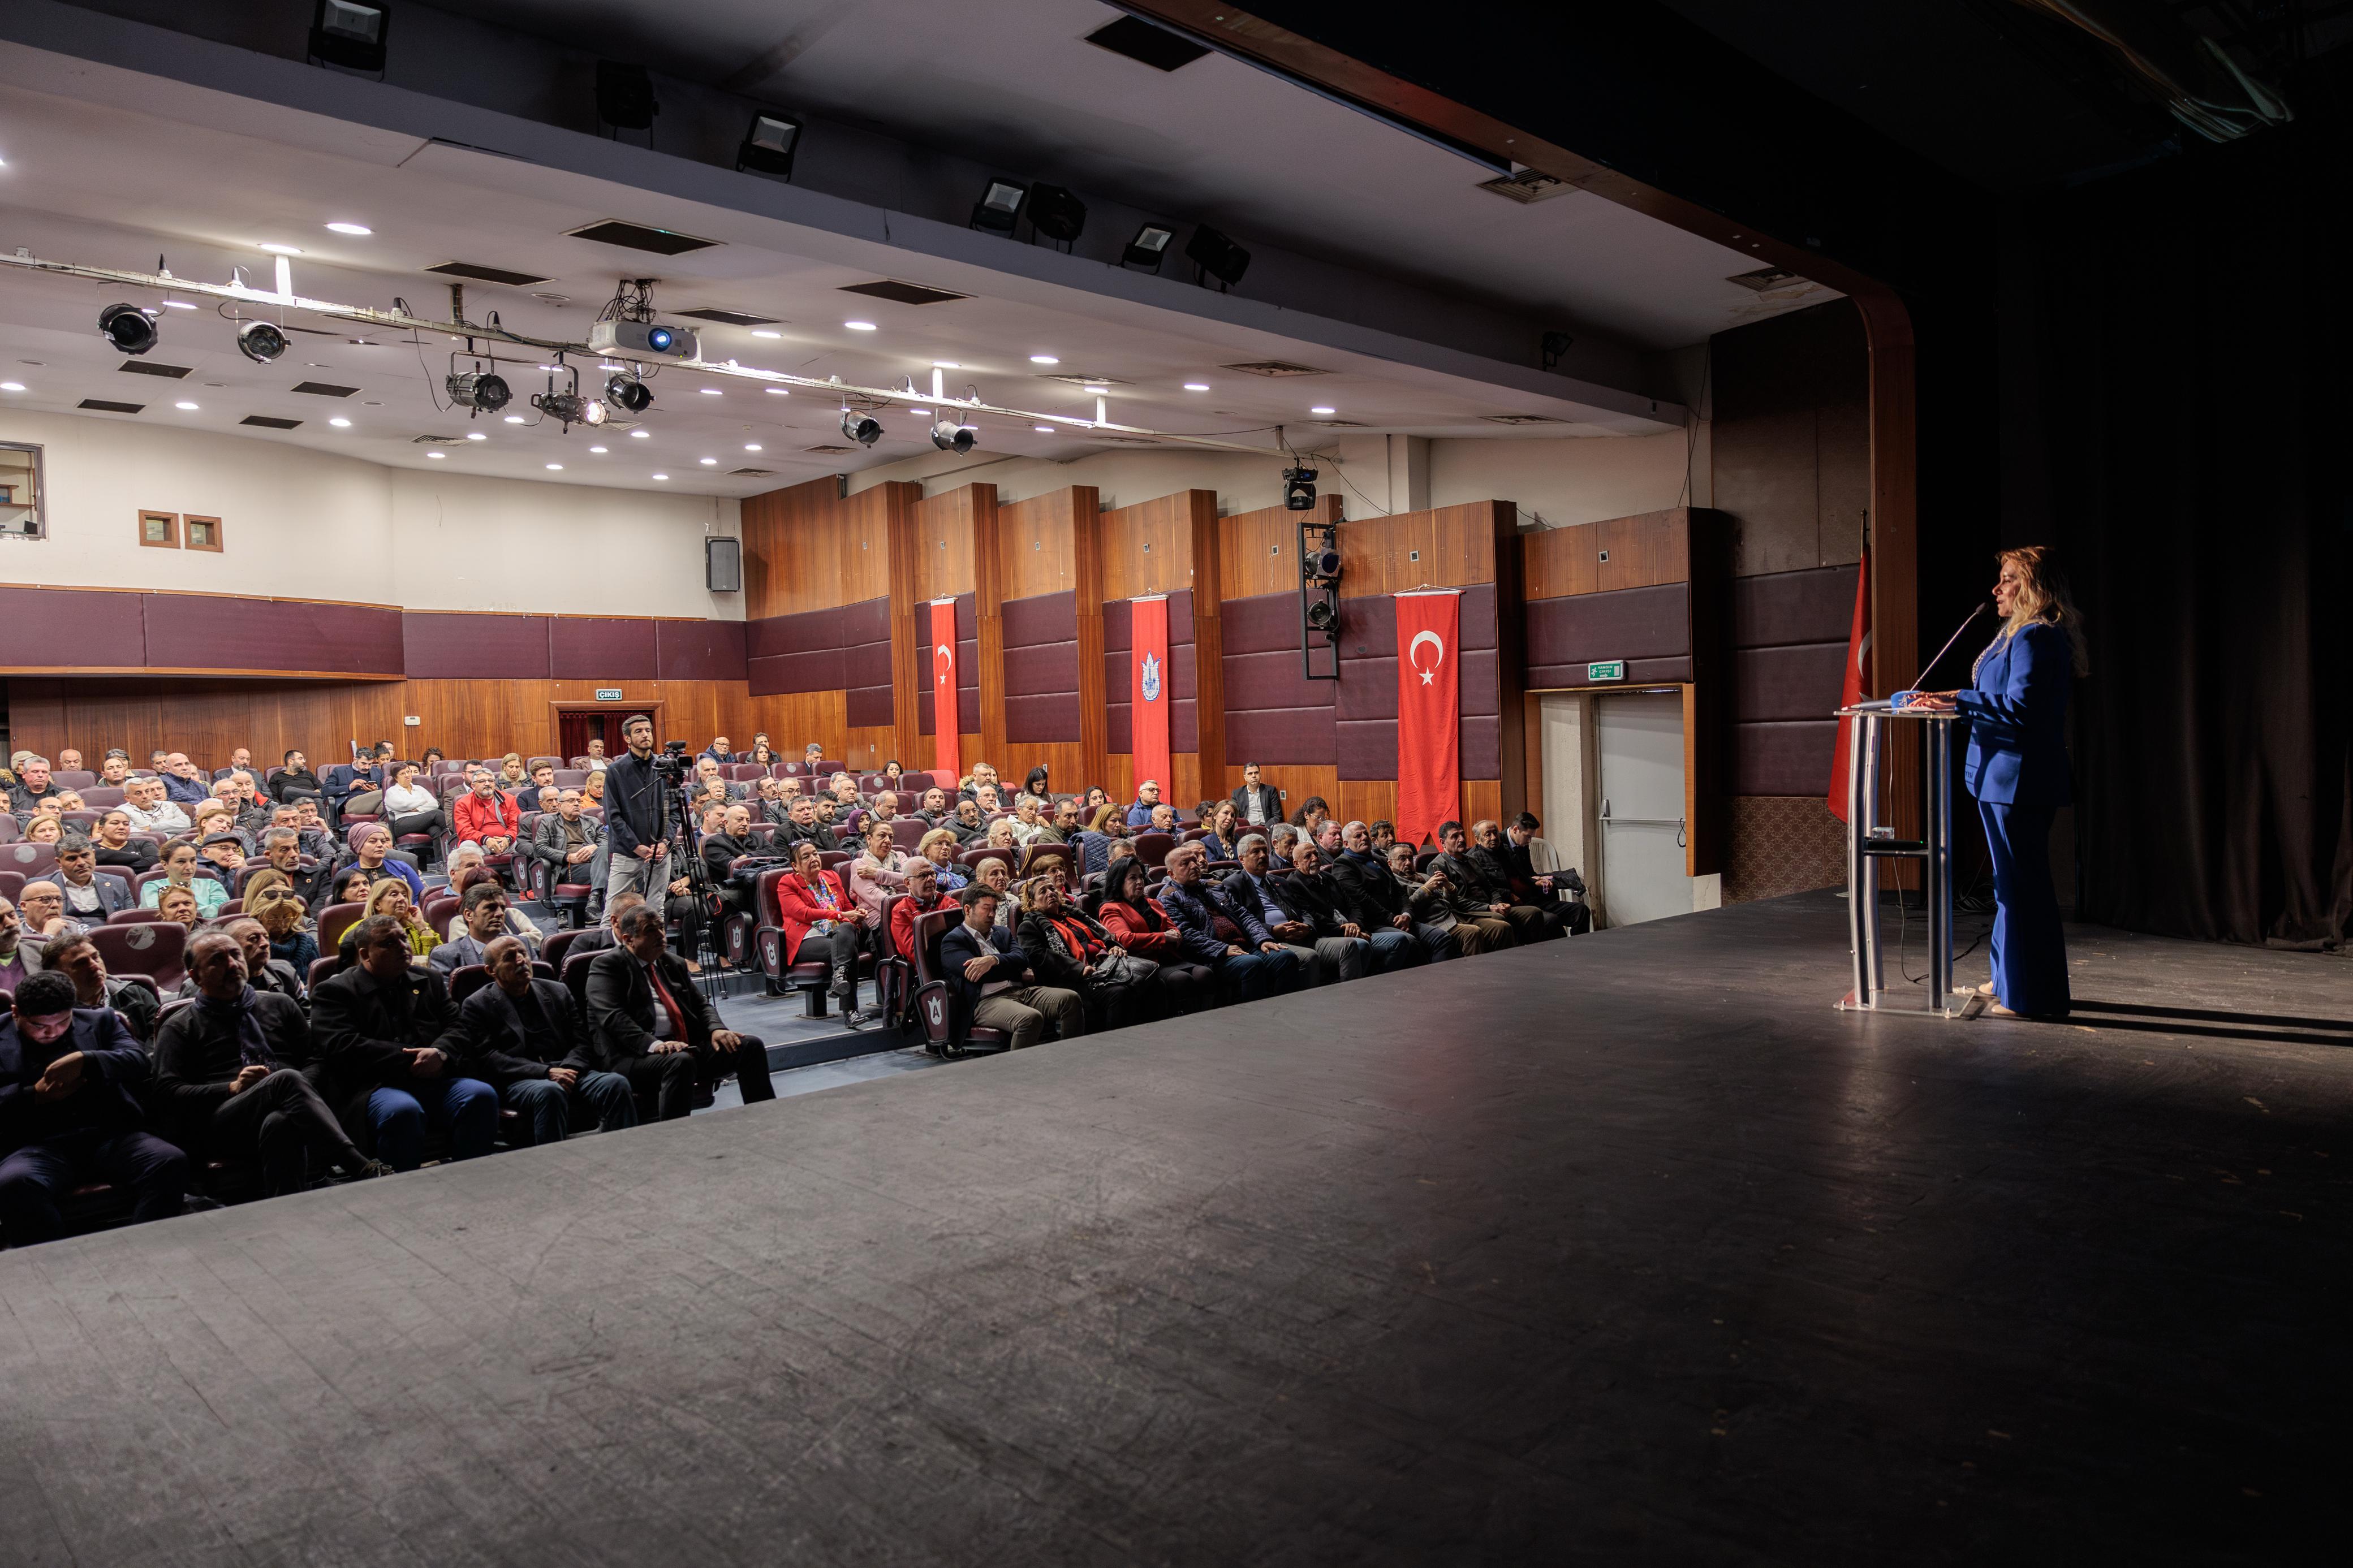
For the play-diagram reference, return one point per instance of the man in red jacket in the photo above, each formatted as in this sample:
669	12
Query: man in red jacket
487	816
923	896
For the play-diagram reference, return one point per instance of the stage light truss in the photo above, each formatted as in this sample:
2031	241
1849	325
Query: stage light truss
476	334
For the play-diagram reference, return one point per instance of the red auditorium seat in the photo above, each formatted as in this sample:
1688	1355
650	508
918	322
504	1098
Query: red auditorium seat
768	945
1152	849
157	949
931	1000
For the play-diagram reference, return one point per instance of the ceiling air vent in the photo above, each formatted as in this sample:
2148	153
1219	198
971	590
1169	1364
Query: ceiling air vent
899	293
728	318
638	236
1141	41
1522	419
270	422
1764	278
1088	380
324	389
1526	187
481	274
104	406
434	440
749	473
829	450
1275	368
143	367
1339	424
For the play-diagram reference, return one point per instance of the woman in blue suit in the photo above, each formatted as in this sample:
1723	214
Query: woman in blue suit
2016	767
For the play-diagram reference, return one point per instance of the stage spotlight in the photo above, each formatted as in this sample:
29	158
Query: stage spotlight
1216	255
629	392
569	408
998	206
259	341
950	436
1055	213
348	34
1299	489
1323	614
1322	565
624	96
769	146
128	328
1149	246
1555	345
484	391
862	429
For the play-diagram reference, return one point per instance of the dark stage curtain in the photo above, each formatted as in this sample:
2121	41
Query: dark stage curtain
2193	421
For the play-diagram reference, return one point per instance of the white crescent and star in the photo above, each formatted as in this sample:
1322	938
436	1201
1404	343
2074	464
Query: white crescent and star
946	662
1429	677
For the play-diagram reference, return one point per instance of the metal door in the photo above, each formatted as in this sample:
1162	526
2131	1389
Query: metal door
1641	737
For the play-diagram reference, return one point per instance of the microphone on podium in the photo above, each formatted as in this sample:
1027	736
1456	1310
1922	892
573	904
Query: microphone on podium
1899	699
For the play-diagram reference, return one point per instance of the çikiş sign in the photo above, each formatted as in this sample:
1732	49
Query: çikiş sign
1608	669
609	694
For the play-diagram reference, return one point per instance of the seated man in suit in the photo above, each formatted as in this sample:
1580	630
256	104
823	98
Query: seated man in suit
803	828
69	1113
77	958
88	897
598	938
985	967
228	1079
1226	937
1291	918
524	1037
389	1040
1372	897
1256	803
1307	888
282	847
540	794
1488	893
482	918
569	845
647	1022
1510	850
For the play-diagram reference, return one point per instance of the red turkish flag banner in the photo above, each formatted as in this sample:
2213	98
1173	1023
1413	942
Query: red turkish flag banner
1430	714
1147	663
1851	689
944	717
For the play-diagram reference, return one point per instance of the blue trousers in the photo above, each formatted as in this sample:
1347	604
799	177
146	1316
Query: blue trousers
1254	975
37	1176
2030	951
1392	949
546	1106
464	1111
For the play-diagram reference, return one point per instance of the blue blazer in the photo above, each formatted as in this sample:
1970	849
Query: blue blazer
2018	719
115	1065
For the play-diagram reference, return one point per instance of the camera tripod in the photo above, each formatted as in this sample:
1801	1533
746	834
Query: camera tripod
702	891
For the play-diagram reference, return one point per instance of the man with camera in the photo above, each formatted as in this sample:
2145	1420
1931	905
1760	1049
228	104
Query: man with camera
637	841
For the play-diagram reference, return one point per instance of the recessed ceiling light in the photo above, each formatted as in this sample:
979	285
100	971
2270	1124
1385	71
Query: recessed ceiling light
925	412
476	436
1323	411
777	391
859	326
764	333
551	369
11	386
1098	391
712	392
751	445
1043	429
1197	386
640	435
1043	359
946	364
437	457
554	467
710	462
359	228
339	423
514	419
275	249
598	450
661	476
189	406
177	305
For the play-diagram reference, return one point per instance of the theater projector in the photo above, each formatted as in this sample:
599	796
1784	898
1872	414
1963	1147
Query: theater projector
643	338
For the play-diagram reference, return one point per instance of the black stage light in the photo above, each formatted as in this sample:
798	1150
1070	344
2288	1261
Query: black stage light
998	206
1055	213
1299	489
1555	345
769	146
862	429
259	341
950	436
1323	614
1323	565
348	34
568	408
1149	246
1216	255
629	392
484	391
128	328
624	96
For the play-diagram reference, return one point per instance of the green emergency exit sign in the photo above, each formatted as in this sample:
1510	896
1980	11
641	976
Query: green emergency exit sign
1609	669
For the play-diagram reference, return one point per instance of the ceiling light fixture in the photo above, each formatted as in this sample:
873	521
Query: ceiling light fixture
1098	391
711	392
1321	410
950	436
482	390
177	305
517	419
999	207
359	229
476	436
554	467
1043	359
751	445
777	391
349	35
769	146
11	386
661	476
188	407
437	457
131	329
598	450
1149	246
276	249
1043	429
339	423
708	462
260	342
764	333
946	364
1056	214
628	392
1213	253
862	429
859	326
640	435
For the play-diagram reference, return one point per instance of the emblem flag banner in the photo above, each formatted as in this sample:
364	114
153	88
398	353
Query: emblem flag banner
1148	667
945	707
1430	714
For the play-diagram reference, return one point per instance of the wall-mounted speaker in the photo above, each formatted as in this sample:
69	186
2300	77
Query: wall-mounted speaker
722	565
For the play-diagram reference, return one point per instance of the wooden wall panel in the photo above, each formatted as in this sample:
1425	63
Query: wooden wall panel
1148	547
1259	550
1644	551
1035	542
1451	547
1298	785
811	548
1209	637
1087	584
943	536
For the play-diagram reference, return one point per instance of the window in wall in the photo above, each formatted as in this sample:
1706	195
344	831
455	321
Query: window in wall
159	529
202	532
20	490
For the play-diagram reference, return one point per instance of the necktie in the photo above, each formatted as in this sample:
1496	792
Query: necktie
670	1004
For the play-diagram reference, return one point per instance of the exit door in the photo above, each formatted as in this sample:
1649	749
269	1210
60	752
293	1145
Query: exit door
1643	832
576	727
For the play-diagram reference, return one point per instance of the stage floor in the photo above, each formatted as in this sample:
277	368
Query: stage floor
1622	1248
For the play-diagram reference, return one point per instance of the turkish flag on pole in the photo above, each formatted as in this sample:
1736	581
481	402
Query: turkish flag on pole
945	718
1147	660
1852	689
1430	714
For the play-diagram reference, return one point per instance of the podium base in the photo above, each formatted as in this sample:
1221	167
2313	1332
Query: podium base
1891	1003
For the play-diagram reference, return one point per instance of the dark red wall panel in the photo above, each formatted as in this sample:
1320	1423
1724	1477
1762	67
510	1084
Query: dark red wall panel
587	647
699	651
53	625
475	648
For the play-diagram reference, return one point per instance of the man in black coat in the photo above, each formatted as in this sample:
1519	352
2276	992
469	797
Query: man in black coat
1485	896
647	1023
1374	898
230	1079
69	1113
637	829
1307	888
523	1036
389	1041
1256	804
1507	850
985	968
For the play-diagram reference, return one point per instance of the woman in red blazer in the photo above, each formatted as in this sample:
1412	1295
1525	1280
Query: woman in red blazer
1125	909
823	924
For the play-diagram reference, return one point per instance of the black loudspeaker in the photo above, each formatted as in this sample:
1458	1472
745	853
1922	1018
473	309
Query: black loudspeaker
722	565
624	96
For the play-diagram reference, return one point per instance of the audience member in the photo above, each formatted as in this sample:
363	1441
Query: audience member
283	848
823	924
844	790
1222	936
355	789
252	808
69	761
41	910
182	781
178	906
934	809
512	775
14	950
592	791
45	827
1125	909
647	1023
1148	795
372	853
1256	803
280	914
570	846
114	769
985	967
636	837
1063	827
1370	895
318	838
1438	902
1253	887
761	753
982	774
486	814
1282	841
389	898
241	757
996	874
1072	951
230	1079
149	812
88	897
1218	817
597	760
1000	835
1108	828
409	808
525	1039
224	854
482	920
968	825
597	938
389	1040
295	779
70	1113
923	896
811	755
1486	885
880	870
1037	786
802	826
1025	825
33	785
179	871
76	957
1308	887
1163	820
264	971
1508	852
940	847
